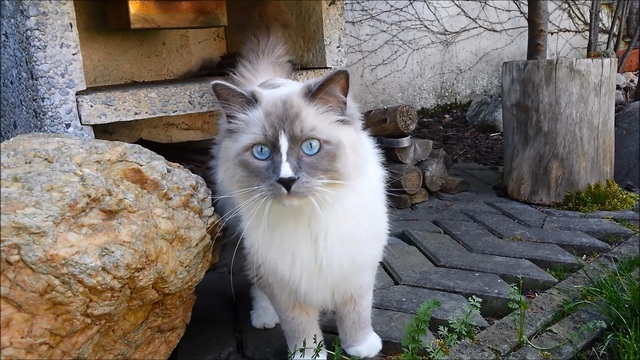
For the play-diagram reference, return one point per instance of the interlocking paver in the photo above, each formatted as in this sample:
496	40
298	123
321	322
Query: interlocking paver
598	228
444	251
410	267
563	338
407	299
397	226
389	325
479	240
617	215
575	242
523	213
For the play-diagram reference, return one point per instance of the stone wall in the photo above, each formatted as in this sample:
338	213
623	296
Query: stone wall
41	69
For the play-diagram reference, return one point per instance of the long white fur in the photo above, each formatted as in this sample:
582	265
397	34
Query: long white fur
314	253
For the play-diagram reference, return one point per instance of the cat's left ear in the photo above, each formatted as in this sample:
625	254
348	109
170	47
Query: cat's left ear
331	91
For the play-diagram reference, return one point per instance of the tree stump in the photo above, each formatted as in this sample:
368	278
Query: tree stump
558	126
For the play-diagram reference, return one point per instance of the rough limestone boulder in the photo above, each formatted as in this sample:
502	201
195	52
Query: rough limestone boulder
485	114
102	244
627	163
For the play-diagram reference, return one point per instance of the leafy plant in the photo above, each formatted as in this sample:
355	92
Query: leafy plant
617	294
598	196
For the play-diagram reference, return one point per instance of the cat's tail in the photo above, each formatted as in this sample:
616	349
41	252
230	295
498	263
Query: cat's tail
265	54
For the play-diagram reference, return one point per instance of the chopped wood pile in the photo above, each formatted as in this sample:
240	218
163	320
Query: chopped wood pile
414	168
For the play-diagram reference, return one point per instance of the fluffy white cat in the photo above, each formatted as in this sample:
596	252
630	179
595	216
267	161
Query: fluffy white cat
308	186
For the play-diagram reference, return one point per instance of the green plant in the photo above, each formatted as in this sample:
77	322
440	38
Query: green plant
617	294
558	273
413	343
629	225
458	328
519	304
598	196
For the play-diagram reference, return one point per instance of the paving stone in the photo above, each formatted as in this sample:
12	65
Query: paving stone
400	258
389	325
576	242
397	226
444	251
565	338
485	175
211	333
383	279
625	250
493	291
407	299
409	266
598	228
475	185
617	215
479	240
259	344
426	214
522	213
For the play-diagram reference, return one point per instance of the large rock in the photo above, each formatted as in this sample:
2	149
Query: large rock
627	163
485	114
102	244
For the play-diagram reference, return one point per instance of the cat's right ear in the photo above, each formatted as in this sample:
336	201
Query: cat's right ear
231	99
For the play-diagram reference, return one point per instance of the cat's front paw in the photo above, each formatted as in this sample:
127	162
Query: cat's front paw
370	347
264	318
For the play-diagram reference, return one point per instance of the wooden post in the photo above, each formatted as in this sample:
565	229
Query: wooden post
558	126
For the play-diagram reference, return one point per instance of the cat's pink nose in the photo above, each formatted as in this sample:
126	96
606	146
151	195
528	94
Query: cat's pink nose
287	182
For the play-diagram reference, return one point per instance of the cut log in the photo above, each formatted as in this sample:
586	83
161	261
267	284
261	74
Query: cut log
421	196
453	185
399	200
394	121
434	172
418	150
558	126
404	178
403	201
441	155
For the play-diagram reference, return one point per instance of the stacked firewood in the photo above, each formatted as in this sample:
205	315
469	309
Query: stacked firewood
415	169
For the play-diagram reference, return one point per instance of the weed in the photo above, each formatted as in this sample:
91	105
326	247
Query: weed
519	304
516	238
617	294
558	273
629	225
598	196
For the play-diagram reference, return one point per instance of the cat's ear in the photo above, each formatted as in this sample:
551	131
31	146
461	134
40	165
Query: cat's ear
231	99
332	90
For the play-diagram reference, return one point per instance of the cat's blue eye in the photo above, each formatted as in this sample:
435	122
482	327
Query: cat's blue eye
310	147
261	151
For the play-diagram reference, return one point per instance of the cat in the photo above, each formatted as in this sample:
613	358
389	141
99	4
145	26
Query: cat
293	163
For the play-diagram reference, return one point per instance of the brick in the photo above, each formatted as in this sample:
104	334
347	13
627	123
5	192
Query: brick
389	325
427	214
383	279
444	251
599	228
407	299
566	337
398	226
617	215
493	291
522	213
479	240
576	242
409	266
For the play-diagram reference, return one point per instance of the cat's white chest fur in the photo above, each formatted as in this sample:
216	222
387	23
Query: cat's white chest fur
318	251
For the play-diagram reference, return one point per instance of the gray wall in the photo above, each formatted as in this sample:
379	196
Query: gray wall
41	68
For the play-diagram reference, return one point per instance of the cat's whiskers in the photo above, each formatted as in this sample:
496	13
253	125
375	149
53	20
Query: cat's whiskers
318	210
237	192
263	224
252	214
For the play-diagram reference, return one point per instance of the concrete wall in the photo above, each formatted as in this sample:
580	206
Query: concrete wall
432	53
41	68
